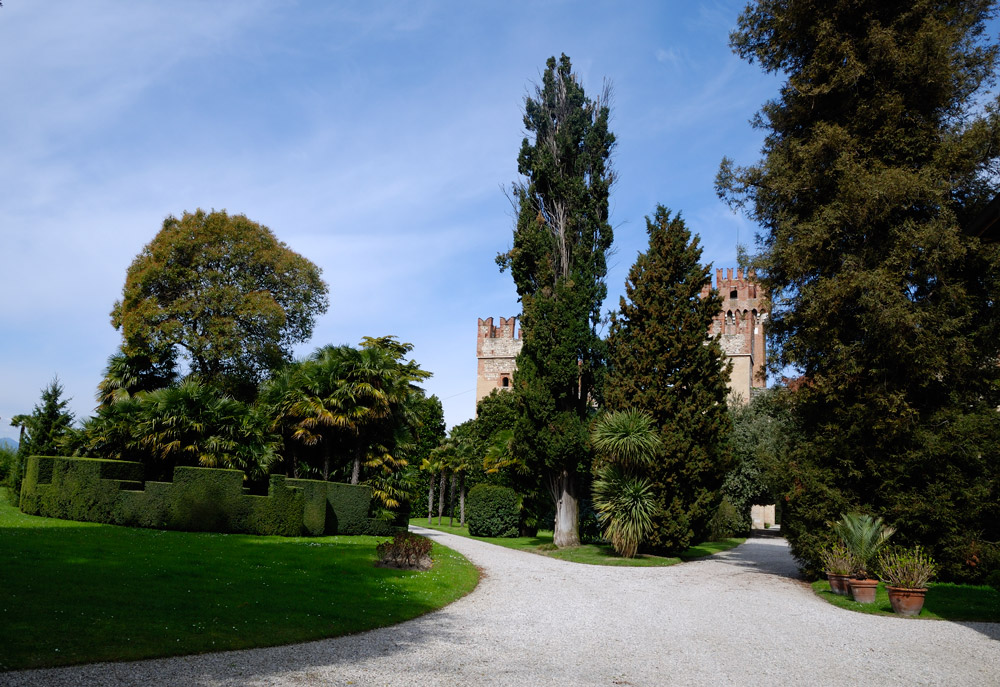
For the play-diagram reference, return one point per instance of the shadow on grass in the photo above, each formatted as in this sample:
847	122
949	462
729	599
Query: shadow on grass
80	592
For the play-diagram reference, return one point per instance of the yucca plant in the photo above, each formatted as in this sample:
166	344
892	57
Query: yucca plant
625	441
625	508
864	536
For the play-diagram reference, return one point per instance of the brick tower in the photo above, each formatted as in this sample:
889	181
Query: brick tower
741	329
496	348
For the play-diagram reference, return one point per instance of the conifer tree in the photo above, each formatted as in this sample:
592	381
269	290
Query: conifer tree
659	361
558	264
878	157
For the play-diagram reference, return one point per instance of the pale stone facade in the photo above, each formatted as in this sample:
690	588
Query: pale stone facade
496	349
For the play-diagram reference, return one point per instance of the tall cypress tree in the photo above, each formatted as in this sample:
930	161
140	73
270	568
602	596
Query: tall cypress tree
659	361
558	264
878	157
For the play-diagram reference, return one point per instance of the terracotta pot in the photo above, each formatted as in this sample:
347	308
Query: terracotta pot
906	601
863	591
838	583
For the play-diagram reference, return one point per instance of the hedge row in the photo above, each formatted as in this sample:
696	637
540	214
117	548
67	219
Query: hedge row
199	499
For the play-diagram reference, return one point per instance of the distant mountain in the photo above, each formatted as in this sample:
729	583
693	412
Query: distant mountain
8	443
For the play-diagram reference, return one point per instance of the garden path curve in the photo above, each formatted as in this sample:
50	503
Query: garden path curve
737	618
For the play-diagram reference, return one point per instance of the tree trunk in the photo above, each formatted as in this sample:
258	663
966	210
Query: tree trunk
567	527
461	498
451	503
356	470
430	498
326	463
441	498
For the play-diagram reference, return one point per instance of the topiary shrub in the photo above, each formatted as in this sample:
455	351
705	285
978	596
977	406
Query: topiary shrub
492	511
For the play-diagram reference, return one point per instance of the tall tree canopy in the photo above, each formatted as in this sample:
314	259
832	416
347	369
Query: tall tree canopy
660	362
225	292
879	153
558	264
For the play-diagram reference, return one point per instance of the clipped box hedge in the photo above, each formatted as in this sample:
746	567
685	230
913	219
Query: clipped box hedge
492	511
198	499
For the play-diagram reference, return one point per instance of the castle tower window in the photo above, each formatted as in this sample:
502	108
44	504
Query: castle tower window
505	382
733	294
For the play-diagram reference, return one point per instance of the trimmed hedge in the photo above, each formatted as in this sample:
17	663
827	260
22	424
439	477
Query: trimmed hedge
492	511
199	499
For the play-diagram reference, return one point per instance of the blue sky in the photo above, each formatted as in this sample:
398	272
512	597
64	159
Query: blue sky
374	138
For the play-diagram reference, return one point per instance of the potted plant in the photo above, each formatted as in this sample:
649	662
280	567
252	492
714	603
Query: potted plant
864	536
906	573
839	565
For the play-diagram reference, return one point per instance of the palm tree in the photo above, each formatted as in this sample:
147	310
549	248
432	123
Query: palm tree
432	465
864	536
625	442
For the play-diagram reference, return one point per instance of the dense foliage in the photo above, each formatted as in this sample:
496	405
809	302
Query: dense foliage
660	362
493	511
879	154
226	293
558	264
760	439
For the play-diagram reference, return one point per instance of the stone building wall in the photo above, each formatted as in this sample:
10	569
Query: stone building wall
496	349
740	326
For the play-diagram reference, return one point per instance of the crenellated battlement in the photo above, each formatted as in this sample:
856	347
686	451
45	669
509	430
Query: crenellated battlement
505	330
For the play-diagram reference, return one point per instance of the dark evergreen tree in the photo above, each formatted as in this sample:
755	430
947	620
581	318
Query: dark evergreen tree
659	361
558	264
881	150
42	432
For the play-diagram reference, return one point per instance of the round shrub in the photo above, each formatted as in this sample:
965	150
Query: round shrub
492	511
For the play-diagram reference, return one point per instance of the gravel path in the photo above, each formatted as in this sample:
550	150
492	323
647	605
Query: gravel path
736	618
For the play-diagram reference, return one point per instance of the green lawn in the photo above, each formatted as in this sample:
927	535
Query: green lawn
73	592
944	601
593	554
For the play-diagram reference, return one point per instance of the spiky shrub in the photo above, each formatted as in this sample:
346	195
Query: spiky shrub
625	506
910	568
864	536
406	551
838	560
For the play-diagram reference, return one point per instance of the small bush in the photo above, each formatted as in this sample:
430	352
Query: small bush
837	560
492	511
907	568
405	551
727	522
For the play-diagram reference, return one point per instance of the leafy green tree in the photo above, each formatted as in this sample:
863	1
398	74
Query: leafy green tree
660	362
224	292
881	149
558	264
761	437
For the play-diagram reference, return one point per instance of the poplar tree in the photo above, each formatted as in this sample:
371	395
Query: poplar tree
881	149
558	264
659	361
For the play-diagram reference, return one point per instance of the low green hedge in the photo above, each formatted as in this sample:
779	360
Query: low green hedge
492	511
198	499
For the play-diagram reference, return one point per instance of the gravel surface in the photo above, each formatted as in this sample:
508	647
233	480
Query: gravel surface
737	618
